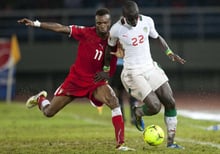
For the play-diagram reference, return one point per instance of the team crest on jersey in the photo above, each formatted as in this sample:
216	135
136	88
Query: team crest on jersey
145	29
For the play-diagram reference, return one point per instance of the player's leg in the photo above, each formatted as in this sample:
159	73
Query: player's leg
136	84
121	101
170	115
132	102
55	105
159	83
106	95
115	83
165	95
49	108
119	95
151	106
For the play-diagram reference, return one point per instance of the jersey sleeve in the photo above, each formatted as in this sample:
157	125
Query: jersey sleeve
153	32
113	37
77	32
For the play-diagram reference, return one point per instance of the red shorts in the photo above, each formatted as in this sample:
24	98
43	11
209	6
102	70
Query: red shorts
79	86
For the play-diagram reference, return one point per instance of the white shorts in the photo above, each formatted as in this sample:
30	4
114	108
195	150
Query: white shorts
140	82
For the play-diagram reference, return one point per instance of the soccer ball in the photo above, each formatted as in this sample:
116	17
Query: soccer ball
153	135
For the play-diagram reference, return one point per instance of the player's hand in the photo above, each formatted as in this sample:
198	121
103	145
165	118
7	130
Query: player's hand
26	21
101	76
120	51
175	57
117	54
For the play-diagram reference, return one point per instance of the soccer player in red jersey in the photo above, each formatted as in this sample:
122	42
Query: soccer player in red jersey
80	80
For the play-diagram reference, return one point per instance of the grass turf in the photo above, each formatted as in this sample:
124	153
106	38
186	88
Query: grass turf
79	129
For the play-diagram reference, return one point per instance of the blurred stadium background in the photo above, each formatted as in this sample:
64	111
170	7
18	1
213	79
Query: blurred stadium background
191	27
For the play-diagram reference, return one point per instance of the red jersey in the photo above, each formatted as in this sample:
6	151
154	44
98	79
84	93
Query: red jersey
91	51
89	61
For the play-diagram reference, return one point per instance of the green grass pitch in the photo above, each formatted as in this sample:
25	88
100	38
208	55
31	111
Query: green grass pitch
79	129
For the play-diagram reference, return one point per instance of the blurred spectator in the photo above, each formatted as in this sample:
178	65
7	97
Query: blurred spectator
73	3
7	5
49	4
149	3
59	4
93	3
179	3
114	3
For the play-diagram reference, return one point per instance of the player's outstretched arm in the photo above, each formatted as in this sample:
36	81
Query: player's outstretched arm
168	51
56	27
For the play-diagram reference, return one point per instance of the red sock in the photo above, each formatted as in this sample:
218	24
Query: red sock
40	100
119	129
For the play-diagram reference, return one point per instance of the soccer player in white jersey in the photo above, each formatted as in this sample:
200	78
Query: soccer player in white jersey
141	76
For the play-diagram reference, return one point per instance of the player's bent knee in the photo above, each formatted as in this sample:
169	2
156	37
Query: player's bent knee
114	105
113	102
49	114
155	108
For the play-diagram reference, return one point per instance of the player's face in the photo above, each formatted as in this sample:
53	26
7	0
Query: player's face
103	24
131	14
132	19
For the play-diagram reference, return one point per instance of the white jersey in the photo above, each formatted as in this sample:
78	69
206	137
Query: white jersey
135	41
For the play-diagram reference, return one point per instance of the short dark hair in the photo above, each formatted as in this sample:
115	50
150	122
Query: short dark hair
130	6
102	11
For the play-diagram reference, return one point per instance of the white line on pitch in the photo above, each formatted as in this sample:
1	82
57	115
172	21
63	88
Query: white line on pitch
92	121
199	142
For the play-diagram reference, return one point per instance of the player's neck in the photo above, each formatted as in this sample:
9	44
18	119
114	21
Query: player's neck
103	35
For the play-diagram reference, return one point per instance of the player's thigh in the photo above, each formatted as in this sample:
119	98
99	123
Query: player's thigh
56	104
153	103
136	84
157	77
106	95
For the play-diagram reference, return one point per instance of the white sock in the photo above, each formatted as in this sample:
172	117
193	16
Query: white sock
44	103
116	111
171	123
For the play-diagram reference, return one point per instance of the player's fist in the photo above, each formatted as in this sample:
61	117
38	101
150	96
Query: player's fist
26	21
101	76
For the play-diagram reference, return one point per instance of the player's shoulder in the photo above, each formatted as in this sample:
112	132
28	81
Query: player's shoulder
91	29
120	24
77	27
145	18
84	28
82	32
